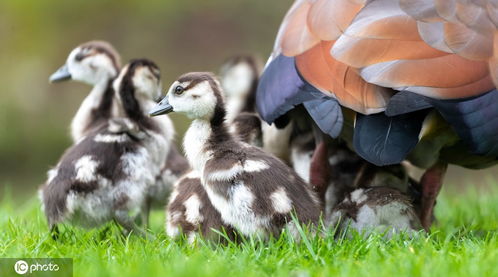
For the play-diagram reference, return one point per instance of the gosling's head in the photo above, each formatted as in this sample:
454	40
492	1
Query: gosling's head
139	80
91	63
239	76
197	94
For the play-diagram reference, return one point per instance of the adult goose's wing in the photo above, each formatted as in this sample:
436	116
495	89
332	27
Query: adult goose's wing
442	49
362	52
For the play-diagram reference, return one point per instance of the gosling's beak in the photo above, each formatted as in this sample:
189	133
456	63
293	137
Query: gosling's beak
62	74
162	107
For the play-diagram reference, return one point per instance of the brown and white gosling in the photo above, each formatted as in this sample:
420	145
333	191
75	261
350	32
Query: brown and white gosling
362	196
96	63
375	209
108	173
189	210
359	196
254	192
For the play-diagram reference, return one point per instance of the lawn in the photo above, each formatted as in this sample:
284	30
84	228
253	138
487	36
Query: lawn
464	242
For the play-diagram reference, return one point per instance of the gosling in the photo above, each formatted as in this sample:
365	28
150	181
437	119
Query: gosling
254	192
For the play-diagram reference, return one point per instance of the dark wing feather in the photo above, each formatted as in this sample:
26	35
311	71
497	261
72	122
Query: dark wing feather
327	114
475	120
406	102
384	140
280	89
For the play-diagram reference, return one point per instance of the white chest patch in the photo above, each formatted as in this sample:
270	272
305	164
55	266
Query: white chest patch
194	143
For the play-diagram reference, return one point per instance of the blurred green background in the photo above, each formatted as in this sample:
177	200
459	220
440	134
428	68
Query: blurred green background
184	35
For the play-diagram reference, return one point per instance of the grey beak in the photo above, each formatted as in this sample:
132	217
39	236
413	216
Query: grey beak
62	74
162	107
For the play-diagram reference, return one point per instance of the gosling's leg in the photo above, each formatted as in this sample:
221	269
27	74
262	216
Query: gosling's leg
320	167
144	213
431	181
54	232
123	219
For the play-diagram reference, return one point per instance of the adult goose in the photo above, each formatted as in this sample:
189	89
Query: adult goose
399	79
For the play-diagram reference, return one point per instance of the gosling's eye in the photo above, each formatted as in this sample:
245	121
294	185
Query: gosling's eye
79	57
179	90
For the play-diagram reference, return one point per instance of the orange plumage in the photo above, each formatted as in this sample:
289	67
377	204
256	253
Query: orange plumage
358	50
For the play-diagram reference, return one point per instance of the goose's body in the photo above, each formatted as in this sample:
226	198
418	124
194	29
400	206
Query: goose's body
392	62
253	191
108	174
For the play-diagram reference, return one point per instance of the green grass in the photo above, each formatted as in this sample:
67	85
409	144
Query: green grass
463	243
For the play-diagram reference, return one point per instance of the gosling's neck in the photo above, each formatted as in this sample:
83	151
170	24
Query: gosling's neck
205	137
94	108
133	105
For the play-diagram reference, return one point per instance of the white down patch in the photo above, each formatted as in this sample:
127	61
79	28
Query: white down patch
236	170
193	208
90	210
237	210
172	228
358	196
255	166
110	138
227	174
280	201
141	169
85	169
51	174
